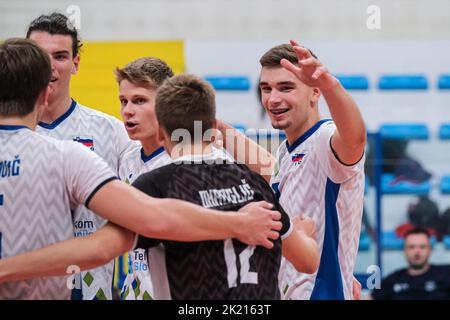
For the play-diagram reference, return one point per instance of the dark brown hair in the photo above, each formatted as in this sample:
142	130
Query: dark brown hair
25	71
56	23
183	99
273	57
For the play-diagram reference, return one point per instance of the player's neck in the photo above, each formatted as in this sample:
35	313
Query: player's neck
417	272
292	134
29	121
179	151
149	146
57	106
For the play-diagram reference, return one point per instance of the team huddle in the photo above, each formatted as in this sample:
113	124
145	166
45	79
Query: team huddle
198	218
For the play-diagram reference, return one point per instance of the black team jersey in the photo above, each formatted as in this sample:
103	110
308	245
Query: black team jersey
226	269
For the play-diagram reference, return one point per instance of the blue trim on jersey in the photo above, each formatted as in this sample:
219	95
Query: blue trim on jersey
276	189
12	127
55	123
152	155
328	285
306	135
77	294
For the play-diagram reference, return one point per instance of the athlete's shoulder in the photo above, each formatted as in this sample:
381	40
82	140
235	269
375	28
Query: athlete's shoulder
159	174
48	141
133	154
326	129
154	182
85	111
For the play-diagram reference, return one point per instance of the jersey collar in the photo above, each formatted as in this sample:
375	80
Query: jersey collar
306	135
215	154
63	117
12	127
152	155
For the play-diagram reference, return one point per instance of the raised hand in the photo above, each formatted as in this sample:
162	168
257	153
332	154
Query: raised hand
261	224
310	71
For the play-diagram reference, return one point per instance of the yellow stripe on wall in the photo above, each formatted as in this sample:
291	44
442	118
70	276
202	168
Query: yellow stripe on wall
95	86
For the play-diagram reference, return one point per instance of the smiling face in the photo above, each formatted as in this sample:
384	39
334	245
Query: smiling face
290	104
137	107
64	65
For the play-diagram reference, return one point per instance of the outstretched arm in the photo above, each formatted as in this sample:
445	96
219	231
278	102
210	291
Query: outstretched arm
247	151
300	248
350	137
170	219
83	252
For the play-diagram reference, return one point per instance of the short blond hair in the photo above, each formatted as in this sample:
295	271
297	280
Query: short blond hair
148	71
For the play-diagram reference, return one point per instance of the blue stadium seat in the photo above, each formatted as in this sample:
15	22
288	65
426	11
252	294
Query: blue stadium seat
446	241
418	131
235	83
364	242
444	82
403	82
390	241
389	186
433	241
240	127
354	82
445	184
444	131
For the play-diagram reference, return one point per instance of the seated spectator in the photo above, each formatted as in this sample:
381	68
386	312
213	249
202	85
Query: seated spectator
420	280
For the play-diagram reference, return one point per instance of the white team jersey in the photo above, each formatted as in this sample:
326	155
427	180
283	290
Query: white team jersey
137	285
310	180
136	163
107	137
41	180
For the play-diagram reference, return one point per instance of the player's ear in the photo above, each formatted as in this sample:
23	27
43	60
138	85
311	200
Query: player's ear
42	102
43	97
162	135
76	63
315	96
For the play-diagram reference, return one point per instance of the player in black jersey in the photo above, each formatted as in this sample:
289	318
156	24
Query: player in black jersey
202	175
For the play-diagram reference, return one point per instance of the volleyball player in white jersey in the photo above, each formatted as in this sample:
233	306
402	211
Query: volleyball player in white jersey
138	82
42	179
66	119
319	169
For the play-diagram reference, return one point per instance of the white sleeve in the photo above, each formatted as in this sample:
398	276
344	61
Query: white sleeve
127	161
336	170
84	172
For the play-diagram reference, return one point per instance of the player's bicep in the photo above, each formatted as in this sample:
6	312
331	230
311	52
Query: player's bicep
347	155
127	207
330	161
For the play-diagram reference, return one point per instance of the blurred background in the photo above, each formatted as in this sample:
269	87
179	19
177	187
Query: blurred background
392	56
